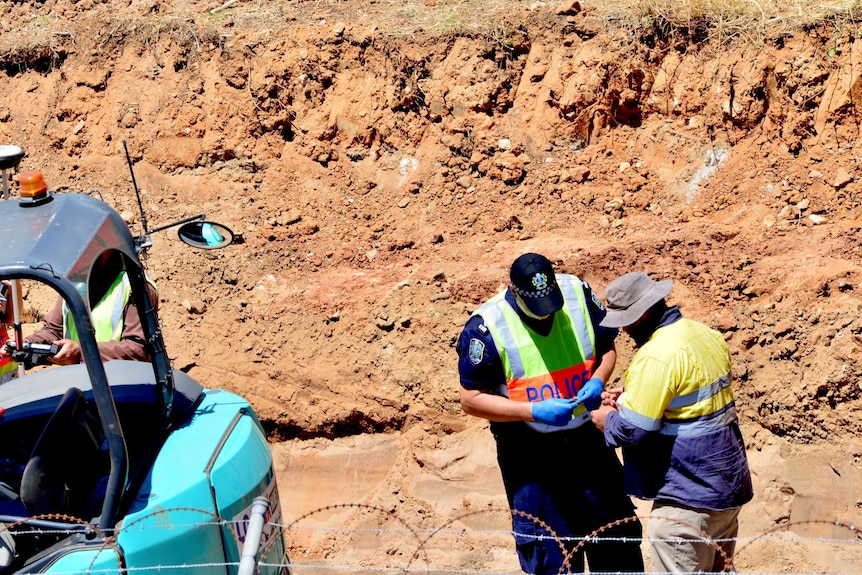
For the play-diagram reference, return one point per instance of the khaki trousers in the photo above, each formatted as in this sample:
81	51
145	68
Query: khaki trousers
679	538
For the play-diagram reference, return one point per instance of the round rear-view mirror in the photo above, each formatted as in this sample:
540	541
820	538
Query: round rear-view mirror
205	235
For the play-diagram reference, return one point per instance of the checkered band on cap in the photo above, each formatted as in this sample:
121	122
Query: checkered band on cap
541	282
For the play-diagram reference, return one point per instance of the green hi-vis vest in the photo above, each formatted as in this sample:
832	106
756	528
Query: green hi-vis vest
543	367
107	316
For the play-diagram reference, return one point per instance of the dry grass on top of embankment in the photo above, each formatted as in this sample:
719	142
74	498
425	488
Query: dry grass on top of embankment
722	20
38	28
746	20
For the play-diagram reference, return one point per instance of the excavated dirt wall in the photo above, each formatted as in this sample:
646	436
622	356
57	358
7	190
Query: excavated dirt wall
380	185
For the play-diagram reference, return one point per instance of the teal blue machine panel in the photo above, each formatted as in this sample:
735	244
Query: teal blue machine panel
175	509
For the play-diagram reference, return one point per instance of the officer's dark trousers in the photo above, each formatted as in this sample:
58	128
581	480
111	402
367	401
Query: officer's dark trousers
571	483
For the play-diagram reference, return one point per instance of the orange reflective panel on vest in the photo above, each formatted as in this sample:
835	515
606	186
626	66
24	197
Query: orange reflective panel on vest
563	383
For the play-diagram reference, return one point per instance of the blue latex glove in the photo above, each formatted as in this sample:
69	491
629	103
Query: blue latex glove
591	393
553	411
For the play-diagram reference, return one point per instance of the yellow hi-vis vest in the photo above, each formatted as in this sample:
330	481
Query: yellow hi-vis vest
107	315
543	367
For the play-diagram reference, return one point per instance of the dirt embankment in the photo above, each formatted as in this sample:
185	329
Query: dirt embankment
380	186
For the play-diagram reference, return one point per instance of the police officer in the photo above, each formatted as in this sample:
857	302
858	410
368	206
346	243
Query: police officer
533	360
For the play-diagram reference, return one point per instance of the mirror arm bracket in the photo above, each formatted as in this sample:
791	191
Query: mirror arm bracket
196	218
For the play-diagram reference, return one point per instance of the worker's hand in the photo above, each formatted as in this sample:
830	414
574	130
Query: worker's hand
610	396
591	393
69	354
599	415
553	411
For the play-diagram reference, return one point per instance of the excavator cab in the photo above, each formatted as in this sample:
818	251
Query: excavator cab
119	466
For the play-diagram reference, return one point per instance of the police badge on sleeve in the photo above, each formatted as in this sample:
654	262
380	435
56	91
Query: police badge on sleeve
476	351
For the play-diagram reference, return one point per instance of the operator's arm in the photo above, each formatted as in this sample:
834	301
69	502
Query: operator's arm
52	332
52	326
131	344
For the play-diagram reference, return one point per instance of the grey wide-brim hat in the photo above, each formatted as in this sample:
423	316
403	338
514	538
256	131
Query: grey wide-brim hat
630	296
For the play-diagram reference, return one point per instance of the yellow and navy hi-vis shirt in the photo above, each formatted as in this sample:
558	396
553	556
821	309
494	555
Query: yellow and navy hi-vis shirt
694	392
677	421
543	367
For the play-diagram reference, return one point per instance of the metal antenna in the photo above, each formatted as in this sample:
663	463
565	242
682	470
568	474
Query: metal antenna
137	193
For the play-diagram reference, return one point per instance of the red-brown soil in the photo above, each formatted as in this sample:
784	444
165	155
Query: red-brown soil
380	184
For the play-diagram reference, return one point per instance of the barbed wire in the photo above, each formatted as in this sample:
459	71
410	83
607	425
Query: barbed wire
423	537
463	531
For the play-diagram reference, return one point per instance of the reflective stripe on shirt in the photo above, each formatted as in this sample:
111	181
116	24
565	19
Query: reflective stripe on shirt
713	388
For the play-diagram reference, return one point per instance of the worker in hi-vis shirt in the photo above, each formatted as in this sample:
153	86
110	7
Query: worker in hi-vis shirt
676	422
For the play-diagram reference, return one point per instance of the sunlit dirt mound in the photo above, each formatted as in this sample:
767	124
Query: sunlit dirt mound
380	185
